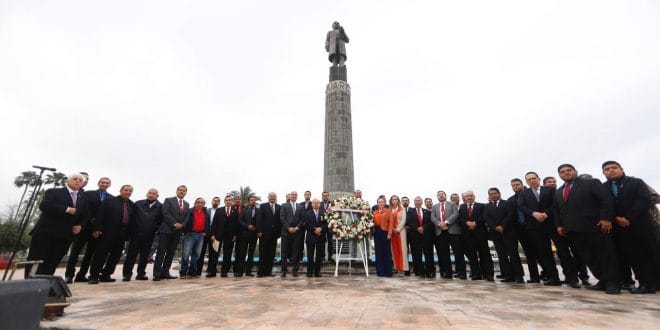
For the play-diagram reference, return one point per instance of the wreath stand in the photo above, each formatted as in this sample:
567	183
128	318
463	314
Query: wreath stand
361	244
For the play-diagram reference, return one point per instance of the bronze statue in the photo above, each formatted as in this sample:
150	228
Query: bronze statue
335	44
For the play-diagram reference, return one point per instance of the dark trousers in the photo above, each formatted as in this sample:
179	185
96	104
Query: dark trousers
457	244
200	262
581	266
478	253
441	244
266	255
566	259
49	249
502	254
245	246
290	248
598	251
227	245
540	238
315	255
509	250
422	245
638	247
167	244
529	250
383	247
139	244
106	256
79	243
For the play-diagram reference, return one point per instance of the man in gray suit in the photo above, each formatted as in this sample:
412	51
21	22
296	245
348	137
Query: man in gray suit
443	214
176	213
292	229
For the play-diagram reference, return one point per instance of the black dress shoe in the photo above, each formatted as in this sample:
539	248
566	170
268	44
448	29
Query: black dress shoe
106	279
597	287
223	274
211	275
627	286
613	289
69	280
500	277
574	284
520	280
476	278
142	278
126	279
309	275
462	276
585	282
508	280
534	280
82	278
317	275
93	280
295	274
642	289
238	275
407	273
553	282
249	274
489	278
283	275
156	278
259	275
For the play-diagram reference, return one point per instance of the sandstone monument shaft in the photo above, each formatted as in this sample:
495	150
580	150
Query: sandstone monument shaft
338	177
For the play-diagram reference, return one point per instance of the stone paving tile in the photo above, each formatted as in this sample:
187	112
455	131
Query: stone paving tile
349	302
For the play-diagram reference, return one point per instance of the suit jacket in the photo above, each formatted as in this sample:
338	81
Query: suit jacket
588	202
500	215
191	221
147	219
528	204
311	223
223	226
54	221
171	215
307	207
413	223
477	216
324	206
288	218
94	204
517	214
249	217
451	215
268	223
633	201
109	218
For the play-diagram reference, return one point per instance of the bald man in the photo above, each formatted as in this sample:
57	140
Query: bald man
63	213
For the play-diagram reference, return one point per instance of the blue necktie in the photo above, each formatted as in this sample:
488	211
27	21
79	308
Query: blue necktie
521	217
615	189
103	196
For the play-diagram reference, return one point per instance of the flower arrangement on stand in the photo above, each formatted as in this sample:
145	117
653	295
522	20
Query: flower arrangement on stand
350	218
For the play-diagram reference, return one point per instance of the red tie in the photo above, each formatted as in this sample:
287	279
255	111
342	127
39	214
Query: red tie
470	211
442	211
567	191
180	206
419	216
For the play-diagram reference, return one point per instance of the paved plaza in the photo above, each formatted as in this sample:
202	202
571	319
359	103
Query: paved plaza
349	302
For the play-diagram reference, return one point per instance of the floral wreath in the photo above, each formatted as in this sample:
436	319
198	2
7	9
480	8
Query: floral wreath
359	228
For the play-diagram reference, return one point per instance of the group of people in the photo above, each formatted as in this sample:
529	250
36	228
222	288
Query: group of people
608	227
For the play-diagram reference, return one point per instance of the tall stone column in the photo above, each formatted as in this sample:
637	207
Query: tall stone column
338	177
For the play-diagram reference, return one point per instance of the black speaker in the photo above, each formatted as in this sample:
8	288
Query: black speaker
22	303
56	299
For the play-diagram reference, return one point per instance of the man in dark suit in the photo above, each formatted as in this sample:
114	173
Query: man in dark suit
63	214
584	211
315	240
499	220
247	239
215	205
148	217
112	222
422	233
176	214
268	231
88	236
633	229
520	228
325	204
536	204
471	216
307	205
224	230
291	217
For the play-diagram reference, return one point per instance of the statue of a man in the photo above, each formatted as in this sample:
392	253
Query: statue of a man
335	44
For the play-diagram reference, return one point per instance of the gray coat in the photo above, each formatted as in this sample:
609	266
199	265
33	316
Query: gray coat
171	215
451	216
288	218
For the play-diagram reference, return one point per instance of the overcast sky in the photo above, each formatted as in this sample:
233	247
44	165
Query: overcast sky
455	95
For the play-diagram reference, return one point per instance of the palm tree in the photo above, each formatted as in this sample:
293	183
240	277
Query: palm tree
57	179
26	180
245	193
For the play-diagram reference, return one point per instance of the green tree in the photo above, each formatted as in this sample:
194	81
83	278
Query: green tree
57	179
245	193
9	233
26	180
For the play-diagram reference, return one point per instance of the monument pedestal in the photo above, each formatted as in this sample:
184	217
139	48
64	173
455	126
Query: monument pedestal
338	177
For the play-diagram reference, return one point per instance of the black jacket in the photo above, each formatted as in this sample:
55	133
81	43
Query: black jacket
528	204
477	217
54	221
311	223
588	202
268	224
223	226
412	222
633	201
500	215
147	219
248	217
109	217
